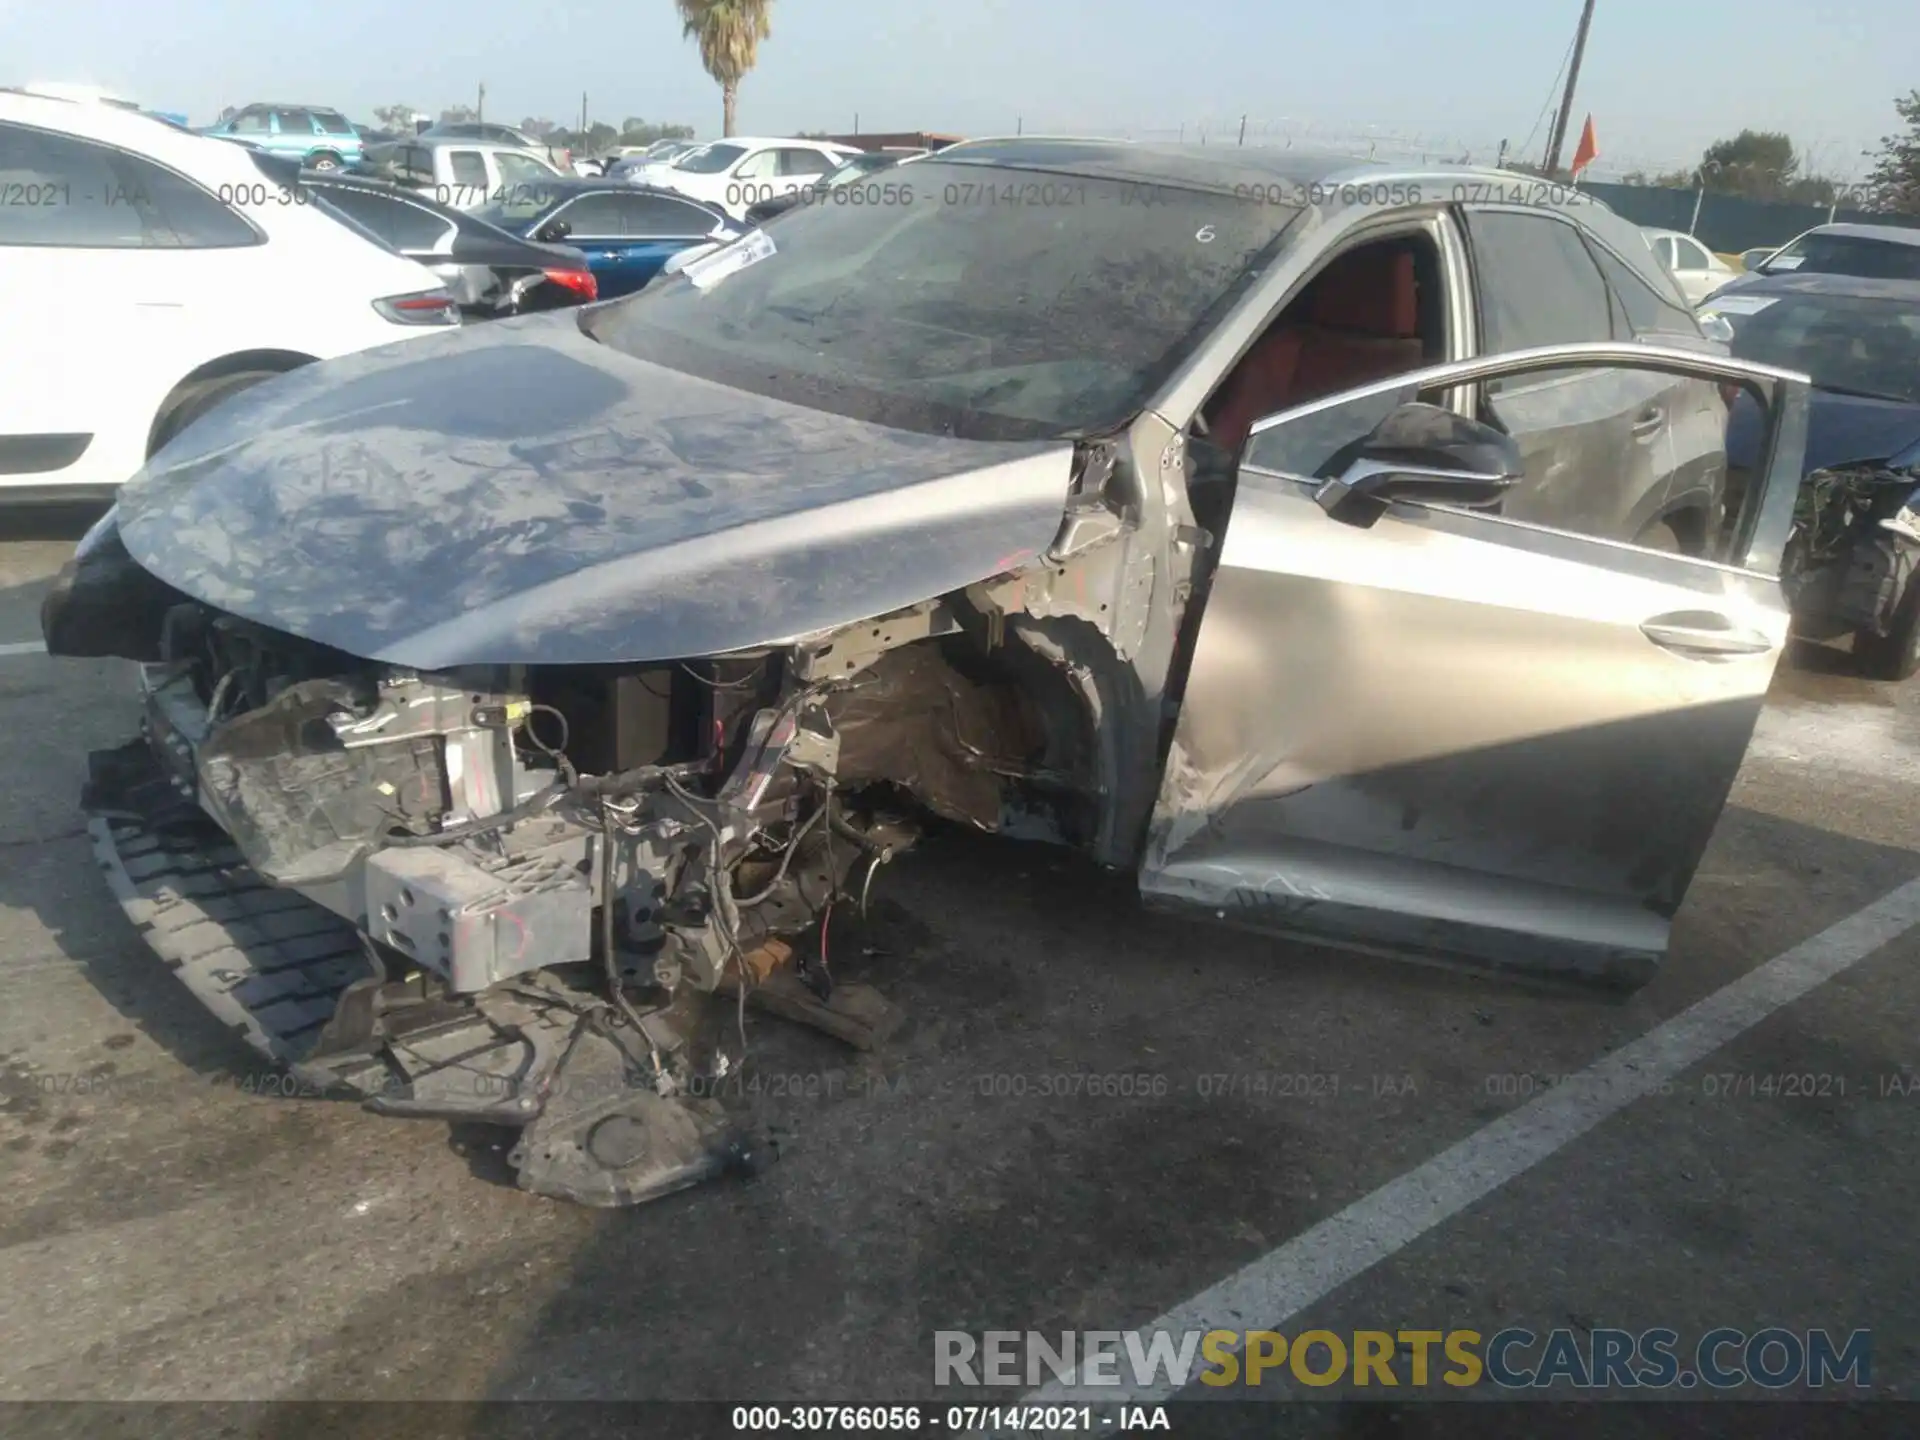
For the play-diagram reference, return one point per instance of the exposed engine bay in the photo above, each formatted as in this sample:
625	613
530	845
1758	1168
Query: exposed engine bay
546	895
1854	548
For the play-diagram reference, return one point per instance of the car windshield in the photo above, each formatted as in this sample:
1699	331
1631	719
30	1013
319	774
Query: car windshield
1862	345
709	159
963	313
1860	255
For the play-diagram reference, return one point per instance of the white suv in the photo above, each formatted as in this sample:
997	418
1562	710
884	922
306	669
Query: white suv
743	171
147	273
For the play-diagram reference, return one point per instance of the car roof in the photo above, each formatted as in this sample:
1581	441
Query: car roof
109	124
572	185
1891	234
459	142
1857	287
750	141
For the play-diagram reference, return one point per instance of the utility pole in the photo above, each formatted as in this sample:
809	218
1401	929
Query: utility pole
1243	130
583	117
1561	120
480	106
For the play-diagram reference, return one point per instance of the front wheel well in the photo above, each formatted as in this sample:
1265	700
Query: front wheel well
1688	526
278	361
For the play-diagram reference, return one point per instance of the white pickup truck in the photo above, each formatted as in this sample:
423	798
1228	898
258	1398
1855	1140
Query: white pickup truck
465	174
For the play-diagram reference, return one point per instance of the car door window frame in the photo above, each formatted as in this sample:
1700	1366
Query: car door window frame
1755	546
702	223
767	153
1540	214
121	165
1690	255
576	236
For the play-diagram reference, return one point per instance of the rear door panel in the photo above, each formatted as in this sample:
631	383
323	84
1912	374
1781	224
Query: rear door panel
1455	736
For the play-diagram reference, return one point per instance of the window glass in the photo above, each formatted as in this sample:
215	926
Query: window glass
295	122
710	159
653	217
1585	473
1648	311
77	193
1689	256
804	162
177	213
520	169
1862	255
1663	251
469	170
952	317
763	166
1852	343
594	215
334	123
1537	283
250	122
399	224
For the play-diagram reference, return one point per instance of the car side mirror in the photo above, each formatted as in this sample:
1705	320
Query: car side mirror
554	231
1717	327
1425	454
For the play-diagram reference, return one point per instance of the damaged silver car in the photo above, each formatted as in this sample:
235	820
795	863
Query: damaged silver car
1351	553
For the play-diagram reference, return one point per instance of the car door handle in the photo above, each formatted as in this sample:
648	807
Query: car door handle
1703	634
1649	420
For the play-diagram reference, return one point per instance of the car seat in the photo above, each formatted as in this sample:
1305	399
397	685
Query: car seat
1358	321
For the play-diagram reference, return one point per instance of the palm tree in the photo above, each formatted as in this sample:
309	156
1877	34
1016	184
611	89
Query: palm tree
729	32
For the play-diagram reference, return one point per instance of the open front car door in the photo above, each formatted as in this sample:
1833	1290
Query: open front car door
1414	724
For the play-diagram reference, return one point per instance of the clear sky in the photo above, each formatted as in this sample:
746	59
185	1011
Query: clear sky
1662	77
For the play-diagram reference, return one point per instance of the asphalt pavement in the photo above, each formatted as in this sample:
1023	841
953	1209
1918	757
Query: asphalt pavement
175	1229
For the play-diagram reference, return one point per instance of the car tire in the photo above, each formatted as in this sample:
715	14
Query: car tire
325	160
193	400
1894	656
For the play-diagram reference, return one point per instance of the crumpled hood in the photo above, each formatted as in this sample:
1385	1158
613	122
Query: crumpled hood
517	493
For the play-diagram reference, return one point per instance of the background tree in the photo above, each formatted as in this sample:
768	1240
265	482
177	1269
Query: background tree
398	118
729	33
1894	181
1756	164
459	115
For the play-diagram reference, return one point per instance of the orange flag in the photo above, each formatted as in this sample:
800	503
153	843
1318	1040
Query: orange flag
1587	150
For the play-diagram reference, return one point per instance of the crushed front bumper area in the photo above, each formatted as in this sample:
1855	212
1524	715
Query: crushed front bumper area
310	992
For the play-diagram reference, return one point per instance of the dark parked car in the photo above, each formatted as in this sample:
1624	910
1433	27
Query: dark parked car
855	170
1326	544
1857	537
627	232
490	271
1872	252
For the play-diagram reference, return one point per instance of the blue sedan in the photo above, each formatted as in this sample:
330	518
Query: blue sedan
628	233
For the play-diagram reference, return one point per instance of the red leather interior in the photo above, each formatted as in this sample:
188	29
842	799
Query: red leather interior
1369	291
1358	321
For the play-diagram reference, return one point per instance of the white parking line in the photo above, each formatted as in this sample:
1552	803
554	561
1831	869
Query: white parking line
1318	1261
23	647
